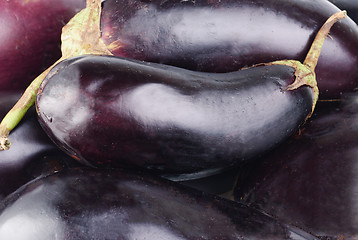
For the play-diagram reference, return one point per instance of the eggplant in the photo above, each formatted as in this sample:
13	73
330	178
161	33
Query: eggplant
108	111
111	112
33	153
30	38
227	35
114	204
311	180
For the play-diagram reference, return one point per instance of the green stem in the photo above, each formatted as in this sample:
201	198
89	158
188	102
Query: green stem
18	111
313	54
305	72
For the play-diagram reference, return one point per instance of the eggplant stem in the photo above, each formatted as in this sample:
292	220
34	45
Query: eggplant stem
305	72
80	36
313	54
18	111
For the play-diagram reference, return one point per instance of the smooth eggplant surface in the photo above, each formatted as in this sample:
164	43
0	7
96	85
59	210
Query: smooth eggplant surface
32	154
107	204
30	38
226	35
311	180
108	111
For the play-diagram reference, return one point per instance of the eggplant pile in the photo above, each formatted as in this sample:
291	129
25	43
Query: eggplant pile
180	120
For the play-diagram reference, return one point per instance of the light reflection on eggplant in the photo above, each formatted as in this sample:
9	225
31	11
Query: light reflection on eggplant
117	204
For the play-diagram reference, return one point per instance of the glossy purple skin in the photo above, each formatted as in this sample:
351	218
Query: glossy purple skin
109	111
226	35
113	204
32	152
311	180
30	38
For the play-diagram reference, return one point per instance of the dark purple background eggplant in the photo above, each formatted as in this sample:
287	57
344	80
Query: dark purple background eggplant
108	204
311	180
30	38
32	153
226	35
109	112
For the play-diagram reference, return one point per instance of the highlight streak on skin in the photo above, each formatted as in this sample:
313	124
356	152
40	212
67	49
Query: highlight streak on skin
80	36
305	72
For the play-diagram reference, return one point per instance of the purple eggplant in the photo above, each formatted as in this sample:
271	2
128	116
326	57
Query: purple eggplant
311	180
110	112
226	35
112	204
30	38
33	153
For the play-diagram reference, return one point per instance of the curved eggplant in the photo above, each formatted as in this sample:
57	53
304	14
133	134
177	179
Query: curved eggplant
33	153
311	180
108	111
108	204
30	38
226	35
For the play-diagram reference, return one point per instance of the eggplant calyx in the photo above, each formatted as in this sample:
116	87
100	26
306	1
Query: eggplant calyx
82	34
304	76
